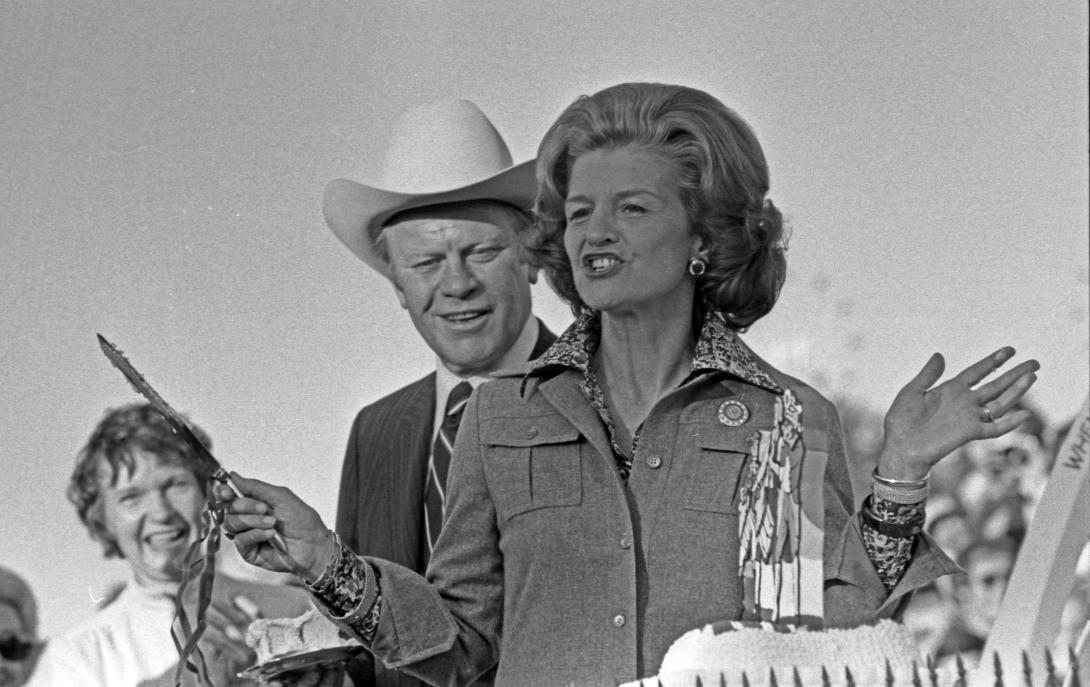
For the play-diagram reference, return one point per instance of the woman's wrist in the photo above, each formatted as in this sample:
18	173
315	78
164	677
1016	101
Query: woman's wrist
321	567
898	466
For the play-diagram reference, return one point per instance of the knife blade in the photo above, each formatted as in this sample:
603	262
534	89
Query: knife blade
178	423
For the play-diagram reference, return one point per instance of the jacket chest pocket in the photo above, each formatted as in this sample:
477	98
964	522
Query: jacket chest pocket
721	455
532	463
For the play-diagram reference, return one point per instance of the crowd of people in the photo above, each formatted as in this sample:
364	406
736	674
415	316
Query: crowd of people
983	499
544	509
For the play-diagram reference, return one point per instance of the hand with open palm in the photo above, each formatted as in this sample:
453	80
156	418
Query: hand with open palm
926	422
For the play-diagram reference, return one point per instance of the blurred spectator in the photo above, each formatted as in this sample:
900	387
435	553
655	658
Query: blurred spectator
982	501
1007	476
931	618
949	524
18	630
1073	621
140	490
988	565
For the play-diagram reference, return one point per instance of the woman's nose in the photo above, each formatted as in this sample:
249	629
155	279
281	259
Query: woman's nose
599	228
159	506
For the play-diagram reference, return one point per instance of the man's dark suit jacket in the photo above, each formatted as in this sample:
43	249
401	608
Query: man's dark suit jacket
381	501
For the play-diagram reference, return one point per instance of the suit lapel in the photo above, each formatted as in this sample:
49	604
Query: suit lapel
415	426
391	498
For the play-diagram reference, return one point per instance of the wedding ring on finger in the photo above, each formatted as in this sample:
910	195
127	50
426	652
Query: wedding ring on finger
987	413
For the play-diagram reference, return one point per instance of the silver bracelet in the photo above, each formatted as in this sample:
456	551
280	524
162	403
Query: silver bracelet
900	495
901	483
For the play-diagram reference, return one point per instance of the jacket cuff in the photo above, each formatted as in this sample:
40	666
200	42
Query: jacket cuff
853	586
929	563
414	623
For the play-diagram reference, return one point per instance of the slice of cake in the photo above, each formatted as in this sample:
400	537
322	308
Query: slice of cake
274	637
881	654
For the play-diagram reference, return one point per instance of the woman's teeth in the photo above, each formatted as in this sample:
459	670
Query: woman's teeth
599	264
160	538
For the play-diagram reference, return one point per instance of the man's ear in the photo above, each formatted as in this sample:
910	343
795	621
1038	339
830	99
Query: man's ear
532	272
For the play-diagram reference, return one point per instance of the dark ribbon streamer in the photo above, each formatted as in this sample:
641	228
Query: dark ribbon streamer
200	564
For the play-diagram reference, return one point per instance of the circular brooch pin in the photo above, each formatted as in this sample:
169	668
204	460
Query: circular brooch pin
733	413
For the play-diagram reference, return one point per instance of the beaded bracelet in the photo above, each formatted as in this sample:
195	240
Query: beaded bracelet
360	588
369	626
369	594
903	496
901	491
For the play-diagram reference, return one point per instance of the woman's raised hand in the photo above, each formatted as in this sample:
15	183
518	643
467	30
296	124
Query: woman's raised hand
926	423
264	510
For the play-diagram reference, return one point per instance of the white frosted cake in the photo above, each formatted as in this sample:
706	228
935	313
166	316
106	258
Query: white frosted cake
881	654
274	637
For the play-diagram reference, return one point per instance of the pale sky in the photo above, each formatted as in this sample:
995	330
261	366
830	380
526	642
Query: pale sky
163	165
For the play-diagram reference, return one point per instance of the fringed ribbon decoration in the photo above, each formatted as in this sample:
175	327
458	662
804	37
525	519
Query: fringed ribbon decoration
772	524
199	566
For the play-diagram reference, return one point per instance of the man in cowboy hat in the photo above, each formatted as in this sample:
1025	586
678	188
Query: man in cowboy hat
442	225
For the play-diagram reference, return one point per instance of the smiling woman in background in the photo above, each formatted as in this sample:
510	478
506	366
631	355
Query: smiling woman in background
140	491
649	473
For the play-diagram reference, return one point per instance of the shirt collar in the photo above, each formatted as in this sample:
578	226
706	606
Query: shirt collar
718	349
445	380
520	351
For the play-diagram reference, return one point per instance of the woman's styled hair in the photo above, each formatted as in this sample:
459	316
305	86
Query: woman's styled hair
112	446
722	179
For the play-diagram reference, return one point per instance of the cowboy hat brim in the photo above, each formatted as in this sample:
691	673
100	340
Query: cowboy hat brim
356	212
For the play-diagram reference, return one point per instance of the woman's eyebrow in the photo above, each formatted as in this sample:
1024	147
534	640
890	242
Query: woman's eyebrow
622	194
639	191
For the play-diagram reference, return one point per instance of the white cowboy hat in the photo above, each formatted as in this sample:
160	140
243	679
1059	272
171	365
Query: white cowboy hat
441	152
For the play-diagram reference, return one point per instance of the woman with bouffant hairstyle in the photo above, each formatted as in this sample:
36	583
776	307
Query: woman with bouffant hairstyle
721	177
649	473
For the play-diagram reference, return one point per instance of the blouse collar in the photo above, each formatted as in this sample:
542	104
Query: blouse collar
718	349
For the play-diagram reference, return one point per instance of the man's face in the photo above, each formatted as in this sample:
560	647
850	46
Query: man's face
457	270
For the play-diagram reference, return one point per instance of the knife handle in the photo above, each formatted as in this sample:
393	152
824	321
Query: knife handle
277	541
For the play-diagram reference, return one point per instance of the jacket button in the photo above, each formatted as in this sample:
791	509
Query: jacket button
532	432
654	462
626	543
619	620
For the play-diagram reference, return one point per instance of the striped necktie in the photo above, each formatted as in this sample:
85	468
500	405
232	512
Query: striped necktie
439	463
